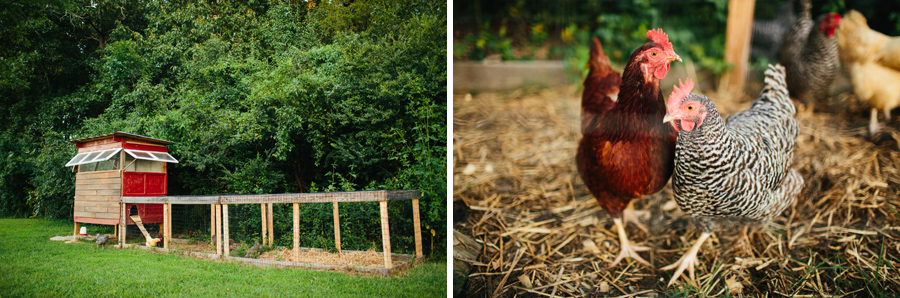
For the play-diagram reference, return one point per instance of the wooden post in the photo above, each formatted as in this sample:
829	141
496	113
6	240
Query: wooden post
75	234
212	222
296	232
169	225
167	217
417	227
218	228
737	43
264	223
337	226
271	217
122	224
385	235
225	241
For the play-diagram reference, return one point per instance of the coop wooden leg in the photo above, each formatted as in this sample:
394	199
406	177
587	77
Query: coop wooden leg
271	217
385	236
226	242
165	225
417	227
122	224
75	234
337	226
264	223
296	232
169	226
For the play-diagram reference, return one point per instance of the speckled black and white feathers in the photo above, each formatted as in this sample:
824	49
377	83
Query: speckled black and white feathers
810	58
739	171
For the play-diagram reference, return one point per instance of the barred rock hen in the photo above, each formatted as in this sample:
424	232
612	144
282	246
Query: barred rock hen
734	173
872	59
626	151
809	53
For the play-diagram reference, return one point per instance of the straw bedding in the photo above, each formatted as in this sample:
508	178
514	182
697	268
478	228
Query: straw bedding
539	232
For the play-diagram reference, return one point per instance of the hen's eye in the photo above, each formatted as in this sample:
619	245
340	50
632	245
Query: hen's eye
690	108
653	54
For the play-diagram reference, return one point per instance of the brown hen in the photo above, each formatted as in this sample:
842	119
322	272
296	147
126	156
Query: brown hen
626	151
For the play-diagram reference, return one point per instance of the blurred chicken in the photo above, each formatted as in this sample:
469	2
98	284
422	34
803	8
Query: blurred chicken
873	61
254	250
767	35
809	54
152	242
626	151
101	240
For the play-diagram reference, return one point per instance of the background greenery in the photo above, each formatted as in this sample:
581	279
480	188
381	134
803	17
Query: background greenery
260	97
562	30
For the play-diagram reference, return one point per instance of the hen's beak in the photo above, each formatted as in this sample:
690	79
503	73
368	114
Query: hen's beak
675	58
668	118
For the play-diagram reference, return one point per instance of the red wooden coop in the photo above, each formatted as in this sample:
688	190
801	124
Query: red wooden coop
114	165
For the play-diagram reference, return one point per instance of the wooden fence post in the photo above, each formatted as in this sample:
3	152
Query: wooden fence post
385	236
337	226
264	222
212	222
737	43
226	241
218	229
296	232
417	227
271	217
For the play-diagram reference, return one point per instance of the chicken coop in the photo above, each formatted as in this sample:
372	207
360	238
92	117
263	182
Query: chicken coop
111	166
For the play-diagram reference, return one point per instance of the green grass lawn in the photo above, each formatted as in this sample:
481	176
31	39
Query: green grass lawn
33	266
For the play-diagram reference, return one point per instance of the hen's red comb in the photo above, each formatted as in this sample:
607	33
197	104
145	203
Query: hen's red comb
660	37
680	93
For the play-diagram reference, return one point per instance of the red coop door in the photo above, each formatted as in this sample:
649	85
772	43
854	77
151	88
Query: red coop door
138	184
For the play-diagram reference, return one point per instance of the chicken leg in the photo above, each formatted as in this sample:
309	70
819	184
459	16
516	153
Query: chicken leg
626	248
873	122
631	215
688	260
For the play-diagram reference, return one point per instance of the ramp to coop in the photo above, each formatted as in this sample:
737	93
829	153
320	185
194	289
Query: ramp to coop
198	225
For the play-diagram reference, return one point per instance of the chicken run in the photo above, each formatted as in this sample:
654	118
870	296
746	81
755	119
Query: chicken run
526	224
121	180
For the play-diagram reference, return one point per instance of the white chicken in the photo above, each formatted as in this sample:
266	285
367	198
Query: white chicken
872	60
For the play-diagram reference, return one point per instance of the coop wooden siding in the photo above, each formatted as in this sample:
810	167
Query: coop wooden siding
97	194
99	145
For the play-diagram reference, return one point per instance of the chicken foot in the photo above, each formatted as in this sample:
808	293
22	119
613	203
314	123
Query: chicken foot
688	260
626	248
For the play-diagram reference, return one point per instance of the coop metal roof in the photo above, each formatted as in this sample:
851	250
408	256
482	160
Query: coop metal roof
123	134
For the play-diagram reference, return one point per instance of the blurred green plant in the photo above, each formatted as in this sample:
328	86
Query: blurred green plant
696	29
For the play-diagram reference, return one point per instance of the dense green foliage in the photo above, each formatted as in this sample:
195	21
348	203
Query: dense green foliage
260	97
33	266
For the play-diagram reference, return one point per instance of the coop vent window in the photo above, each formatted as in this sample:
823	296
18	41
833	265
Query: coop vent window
95	156
149	155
